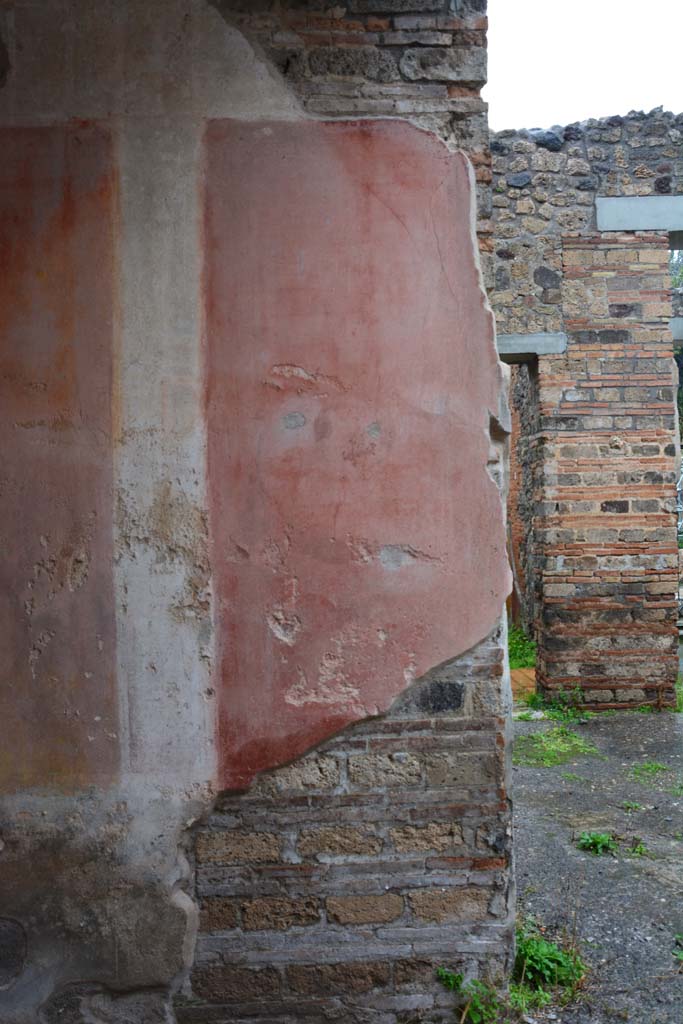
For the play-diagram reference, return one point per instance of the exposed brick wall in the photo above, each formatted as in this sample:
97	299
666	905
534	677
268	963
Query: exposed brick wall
337	884
605	517
340	882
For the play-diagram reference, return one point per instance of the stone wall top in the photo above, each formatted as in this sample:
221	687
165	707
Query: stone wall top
545	182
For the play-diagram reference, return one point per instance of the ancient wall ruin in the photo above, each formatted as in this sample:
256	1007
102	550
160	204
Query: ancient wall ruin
262	672
396	848
595	471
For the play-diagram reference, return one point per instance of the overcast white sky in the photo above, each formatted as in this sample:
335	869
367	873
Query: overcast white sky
554	62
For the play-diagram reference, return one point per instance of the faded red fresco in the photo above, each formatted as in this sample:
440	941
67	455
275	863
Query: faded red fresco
357	538
58	704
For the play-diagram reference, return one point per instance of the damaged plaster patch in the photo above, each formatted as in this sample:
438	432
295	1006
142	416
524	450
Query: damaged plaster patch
331	687
390	556
289	376
176	531
396	556
284	627
293	421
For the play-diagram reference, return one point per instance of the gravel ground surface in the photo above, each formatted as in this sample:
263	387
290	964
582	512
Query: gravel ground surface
624	910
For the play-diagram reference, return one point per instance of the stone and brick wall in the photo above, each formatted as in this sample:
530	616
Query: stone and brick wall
336	885
419	60
593	478
605	514
339	883
544	187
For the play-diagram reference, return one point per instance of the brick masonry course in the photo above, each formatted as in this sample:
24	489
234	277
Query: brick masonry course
339	888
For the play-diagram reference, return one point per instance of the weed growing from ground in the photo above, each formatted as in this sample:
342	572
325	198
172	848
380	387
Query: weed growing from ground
481	1002
547	749
564	707
648	771
679	695
598	843
543	971
524	999
525	716
639	849
630	805
521	649
541	964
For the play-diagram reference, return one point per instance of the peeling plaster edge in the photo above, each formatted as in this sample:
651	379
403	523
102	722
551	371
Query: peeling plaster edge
297	111
381	711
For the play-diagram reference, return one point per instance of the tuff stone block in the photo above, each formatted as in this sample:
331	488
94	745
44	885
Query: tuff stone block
337	842
223	984
227	847
365	909
272	912
332	979
441	905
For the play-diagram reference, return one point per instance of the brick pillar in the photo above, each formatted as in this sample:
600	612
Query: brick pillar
606	520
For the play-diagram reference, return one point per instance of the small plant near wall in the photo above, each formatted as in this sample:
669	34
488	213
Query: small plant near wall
521	649
638	848
543	965
544	972
565	706
481	1002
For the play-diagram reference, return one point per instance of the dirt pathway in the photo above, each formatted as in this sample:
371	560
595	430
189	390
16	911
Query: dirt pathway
625	910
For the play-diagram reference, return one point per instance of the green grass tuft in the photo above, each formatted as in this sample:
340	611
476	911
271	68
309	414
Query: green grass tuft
648	771
564	707
547	749
521	649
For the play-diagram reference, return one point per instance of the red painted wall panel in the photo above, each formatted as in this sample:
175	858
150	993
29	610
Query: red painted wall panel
357	538
58	704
